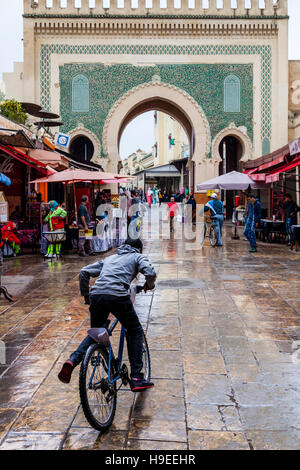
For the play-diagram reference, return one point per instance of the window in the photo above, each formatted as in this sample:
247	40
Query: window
266	146
80	94
232	94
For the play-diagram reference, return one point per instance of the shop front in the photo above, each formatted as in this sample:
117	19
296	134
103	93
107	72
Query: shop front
23	204
165	177
21	169
278	173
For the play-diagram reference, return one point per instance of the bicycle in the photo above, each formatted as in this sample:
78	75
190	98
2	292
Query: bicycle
101	370
210	224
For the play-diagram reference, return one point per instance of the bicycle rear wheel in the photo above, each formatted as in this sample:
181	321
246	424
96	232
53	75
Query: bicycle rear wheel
98	400
213	236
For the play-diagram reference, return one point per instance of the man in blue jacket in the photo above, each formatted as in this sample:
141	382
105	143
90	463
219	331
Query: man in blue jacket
217	213
253	221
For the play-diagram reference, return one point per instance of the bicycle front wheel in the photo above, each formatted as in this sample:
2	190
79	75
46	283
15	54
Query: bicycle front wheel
146	359
213	236
98	399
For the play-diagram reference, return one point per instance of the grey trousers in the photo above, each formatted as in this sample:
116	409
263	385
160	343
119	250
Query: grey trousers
85	246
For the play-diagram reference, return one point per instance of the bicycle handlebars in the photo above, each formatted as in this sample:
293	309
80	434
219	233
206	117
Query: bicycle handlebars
136	289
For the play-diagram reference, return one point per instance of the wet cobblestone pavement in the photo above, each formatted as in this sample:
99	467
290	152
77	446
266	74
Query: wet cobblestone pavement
220	326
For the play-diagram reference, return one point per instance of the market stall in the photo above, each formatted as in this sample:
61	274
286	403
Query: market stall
23	205
109	236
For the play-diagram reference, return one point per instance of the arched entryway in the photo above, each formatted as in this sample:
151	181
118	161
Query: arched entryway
161	97
230	148
83	141
230	151
82	149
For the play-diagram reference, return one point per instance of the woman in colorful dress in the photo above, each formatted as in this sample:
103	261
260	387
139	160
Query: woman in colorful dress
56	222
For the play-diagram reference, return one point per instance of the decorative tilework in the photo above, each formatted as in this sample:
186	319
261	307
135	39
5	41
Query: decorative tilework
266	146
169	74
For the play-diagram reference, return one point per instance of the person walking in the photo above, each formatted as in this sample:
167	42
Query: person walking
253	221
155	194
149	197
160	197
216	213
191	201
173	209
165	197
290	214
85	246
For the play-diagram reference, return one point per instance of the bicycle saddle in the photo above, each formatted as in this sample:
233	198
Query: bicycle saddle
99	335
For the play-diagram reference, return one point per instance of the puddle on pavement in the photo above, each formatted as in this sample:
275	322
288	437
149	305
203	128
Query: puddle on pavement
180	284
228	277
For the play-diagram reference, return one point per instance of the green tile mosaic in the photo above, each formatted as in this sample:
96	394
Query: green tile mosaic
204	82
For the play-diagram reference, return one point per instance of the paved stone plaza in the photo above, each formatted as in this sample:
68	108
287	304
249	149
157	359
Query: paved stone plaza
220	325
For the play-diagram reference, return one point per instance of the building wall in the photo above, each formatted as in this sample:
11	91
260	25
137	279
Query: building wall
294	99
14	82
192	49
165	126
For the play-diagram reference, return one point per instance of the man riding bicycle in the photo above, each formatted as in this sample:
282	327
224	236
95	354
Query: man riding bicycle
216	213
110	294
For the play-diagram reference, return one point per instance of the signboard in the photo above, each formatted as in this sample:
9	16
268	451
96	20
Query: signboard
89	234
62	140
294	85
86	235
294	147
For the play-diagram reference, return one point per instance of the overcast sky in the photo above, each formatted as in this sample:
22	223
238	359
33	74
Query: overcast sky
138	134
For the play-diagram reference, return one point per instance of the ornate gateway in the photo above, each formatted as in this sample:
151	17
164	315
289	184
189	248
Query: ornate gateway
219	67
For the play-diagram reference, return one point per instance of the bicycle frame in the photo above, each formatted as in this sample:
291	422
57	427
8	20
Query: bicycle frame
120	352
111	356
133	292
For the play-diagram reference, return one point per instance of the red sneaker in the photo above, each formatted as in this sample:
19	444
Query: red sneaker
66	372
139	385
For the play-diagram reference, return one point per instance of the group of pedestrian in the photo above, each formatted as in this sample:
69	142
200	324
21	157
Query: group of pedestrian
252	218
55	221
154	196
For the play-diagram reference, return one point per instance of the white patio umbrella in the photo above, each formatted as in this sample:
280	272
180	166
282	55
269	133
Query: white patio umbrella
232	180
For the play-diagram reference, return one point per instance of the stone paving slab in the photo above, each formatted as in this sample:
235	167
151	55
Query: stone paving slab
220	327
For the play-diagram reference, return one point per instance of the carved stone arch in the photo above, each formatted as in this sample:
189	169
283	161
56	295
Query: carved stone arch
241	134
80	130
162	97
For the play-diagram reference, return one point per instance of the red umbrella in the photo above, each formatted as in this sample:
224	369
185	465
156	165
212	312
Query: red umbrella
73	175
76	175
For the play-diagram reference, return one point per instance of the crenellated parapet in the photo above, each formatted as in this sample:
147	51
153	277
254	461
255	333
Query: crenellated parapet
189	8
